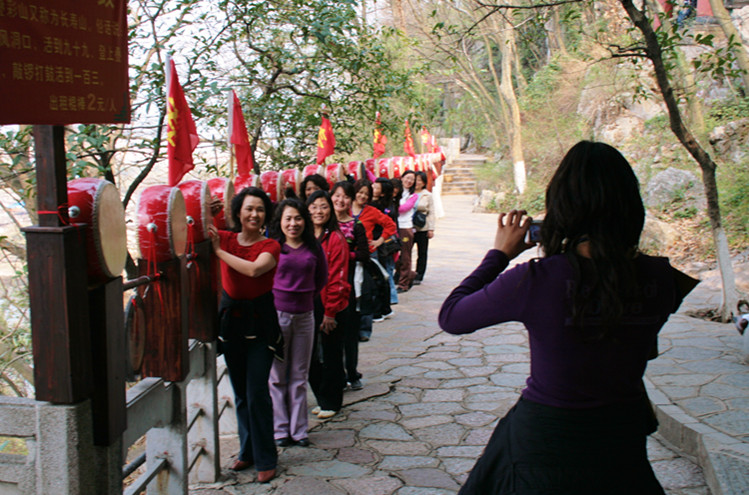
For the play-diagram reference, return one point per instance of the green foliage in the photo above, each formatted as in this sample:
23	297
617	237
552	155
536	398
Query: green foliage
734	202
727	111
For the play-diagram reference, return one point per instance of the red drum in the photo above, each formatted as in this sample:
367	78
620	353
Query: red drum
96	203
291	178
384	168
162	223
396	167
408	163
357	170
334	173
223	189
371	165
246	181
419	163
197	197
312	169
270	183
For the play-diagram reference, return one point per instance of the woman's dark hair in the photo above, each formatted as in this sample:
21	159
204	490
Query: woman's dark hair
397	190
386	198
332	224
423	176
410	189
318	180
238	200
594	196
361	183
308	234
348	189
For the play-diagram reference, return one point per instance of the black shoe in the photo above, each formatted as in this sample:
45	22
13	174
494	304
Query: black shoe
417	282
304	442
363	338
284	442
356	385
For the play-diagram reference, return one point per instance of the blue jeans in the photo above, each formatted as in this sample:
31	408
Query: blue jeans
249	363
390	268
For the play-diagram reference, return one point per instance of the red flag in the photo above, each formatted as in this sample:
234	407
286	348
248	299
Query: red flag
408	144
240	139
181	135
380	140
325	141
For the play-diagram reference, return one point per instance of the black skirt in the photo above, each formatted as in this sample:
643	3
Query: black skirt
543	450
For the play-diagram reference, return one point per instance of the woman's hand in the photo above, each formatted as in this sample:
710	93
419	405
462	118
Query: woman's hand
328	325
215	240
376	243
430	234
512	228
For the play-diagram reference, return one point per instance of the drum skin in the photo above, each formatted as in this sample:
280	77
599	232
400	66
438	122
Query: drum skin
96	203
135	329
197	197
269	181
223	189
162	223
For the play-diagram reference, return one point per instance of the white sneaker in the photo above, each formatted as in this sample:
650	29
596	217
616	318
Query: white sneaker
324	414
389	315
316	410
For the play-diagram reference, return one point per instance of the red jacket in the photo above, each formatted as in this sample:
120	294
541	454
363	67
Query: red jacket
371	216
335	294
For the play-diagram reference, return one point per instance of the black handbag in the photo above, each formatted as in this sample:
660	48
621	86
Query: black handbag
389	247
419	219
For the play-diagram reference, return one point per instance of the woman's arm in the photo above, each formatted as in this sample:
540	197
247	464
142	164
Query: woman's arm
431	216
408	204
361	251
263	264
484	298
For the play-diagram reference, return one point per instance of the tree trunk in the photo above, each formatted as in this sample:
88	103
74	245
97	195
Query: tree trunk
508	95
732	34
554	35
706	163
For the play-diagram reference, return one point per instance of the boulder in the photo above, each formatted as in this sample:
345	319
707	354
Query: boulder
673	184
657	235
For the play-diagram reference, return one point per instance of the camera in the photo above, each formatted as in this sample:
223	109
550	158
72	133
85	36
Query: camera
534	232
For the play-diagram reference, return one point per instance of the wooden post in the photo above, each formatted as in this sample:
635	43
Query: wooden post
58	282
108	342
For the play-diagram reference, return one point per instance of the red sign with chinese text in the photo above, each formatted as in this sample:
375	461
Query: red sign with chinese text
63	62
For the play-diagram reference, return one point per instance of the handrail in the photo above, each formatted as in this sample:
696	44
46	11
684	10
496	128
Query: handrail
194	457
130	468
142	482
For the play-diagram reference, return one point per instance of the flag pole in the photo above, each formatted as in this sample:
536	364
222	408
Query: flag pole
230	103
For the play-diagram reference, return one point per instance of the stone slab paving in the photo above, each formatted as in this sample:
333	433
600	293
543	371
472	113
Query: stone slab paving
431	400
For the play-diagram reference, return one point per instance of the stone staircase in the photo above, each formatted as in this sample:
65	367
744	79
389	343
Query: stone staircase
458	174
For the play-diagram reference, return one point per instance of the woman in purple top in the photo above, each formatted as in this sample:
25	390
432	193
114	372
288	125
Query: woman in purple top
302	272
593	306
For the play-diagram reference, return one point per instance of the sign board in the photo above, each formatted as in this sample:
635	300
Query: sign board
63	62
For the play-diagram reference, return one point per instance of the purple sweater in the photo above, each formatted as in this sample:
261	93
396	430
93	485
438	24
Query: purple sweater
299	276
566	370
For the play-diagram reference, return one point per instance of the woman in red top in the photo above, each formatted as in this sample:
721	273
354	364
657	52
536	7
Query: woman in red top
249	333
327	377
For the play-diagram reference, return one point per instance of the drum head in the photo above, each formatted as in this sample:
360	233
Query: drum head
177	222
135	329
109	229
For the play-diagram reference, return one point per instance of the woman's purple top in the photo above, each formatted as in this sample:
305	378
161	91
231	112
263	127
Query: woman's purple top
300	275
567	370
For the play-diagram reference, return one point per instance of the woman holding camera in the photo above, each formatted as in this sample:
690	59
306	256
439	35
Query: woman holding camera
593	306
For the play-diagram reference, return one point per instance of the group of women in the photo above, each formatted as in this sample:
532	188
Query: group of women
302	283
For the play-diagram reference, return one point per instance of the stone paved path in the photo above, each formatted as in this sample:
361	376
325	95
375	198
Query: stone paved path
430	401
